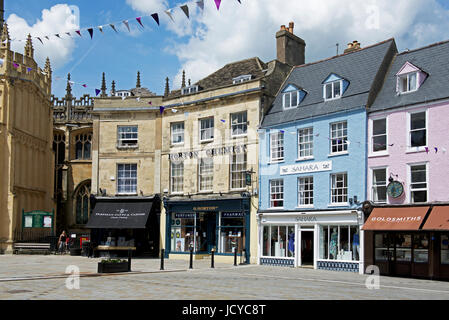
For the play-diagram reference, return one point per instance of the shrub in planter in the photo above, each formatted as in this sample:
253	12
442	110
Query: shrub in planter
112	265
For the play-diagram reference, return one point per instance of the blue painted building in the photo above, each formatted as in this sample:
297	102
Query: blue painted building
313	161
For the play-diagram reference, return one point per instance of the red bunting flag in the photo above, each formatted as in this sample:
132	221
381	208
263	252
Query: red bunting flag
139	20
156	18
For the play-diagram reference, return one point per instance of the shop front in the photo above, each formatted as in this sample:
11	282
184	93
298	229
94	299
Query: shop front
120	224
409	241
329	240
221	225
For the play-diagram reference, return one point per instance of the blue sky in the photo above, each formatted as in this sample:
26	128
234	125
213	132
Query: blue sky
212	38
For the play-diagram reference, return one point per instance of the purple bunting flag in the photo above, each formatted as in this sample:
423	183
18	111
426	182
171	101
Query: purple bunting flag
217	3
427	149
91	32
97	91
29	69
84	85
79	32
436	150
223	120
139	20
150	102
125	22
185	8
15	65
200	4
156	18
161	109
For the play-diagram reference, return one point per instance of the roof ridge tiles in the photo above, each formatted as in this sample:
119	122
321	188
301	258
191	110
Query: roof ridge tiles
423	48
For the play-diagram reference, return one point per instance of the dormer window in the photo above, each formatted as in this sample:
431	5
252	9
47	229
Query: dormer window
409	78
190	90
292	96
241	79
334	87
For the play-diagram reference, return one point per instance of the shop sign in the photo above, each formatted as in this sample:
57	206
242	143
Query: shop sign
185	215
232	214
307	167
306	219
212	152
396	219
205	208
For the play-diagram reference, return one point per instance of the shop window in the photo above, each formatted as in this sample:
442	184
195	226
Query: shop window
83	143
232	232
445	249
279	241
340	243
421	248
403	247
182	232
383	247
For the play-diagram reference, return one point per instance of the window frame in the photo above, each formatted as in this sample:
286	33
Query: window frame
290	93
212	128
373	136
244	124
310	190
344	188
310	135
243	169
280	186
180	178
373	186
202	175
406	76
332	84
120	145
410	183
344	138
278	148
125	178
410	148
172	132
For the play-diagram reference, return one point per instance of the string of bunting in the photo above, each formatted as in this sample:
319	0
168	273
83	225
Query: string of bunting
113	25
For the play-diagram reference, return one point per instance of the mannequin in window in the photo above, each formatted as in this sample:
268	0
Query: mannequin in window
291	244
356	245
333	244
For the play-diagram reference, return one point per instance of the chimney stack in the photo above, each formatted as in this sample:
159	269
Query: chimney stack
352	46
290	48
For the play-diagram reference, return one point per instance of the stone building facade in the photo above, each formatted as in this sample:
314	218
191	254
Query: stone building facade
26	178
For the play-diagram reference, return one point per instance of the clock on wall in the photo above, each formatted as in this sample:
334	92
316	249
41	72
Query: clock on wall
395	189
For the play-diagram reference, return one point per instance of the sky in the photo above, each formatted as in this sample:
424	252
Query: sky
208	39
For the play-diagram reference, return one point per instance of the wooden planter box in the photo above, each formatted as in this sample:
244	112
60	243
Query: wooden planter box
112	267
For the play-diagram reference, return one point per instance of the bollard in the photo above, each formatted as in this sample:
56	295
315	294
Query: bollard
212	259
162	258
191	258
129	260
243	257
235	256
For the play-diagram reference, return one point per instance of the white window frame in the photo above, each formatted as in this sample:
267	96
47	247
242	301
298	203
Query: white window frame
176	177
334	187
190	90
309	144
331	85
178	131
279	190
277	147
305	181
373	136
120	137
373	186
411	190
343	138
292	104
407	76
409	131
207	121
237	170
119	178
243	124
208	175
242	78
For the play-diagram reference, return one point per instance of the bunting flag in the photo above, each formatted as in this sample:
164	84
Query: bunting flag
168	12
113	27
125	22
91	32
436	150
68	33
15	65
239	1
427	149
217	3
139	20
150	103
223	120
123	97
97	91
156	18
138	99
84	85
161	109
29	69
79	32
200	4
185	8
57	35
100	28
39	40
46	37
71	83
174	110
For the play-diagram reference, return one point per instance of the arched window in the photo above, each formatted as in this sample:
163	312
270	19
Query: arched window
83	143
82	203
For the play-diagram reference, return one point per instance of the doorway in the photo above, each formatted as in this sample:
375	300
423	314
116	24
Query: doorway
307	245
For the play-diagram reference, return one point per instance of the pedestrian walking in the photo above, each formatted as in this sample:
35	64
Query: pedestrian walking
62	242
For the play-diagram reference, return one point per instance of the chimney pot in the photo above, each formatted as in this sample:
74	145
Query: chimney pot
283	27
291	25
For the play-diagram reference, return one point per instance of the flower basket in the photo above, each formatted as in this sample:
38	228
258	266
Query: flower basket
112	266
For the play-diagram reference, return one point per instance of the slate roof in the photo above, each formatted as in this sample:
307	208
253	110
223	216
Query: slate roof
434	60
359	67
223	77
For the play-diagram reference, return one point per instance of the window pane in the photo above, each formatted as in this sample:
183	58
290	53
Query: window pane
291	241
380	143
403	247
274	241
287	100
418	120
421	248
328	91
266	241
355	243
336	89
294	97
379	126
324	241
412	81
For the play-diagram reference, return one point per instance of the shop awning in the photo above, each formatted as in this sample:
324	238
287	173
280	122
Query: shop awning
120	215
404	218
438	219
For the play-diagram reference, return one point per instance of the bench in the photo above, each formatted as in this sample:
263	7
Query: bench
31	247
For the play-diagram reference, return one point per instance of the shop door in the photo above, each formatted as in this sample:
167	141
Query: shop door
307	245
211	230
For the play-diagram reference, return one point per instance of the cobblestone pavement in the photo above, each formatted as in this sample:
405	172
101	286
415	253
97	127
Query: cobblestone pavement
36	277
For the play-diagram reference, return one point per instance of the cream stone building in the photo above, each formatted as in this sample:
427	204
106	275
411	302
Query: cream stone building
125	168
26	130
